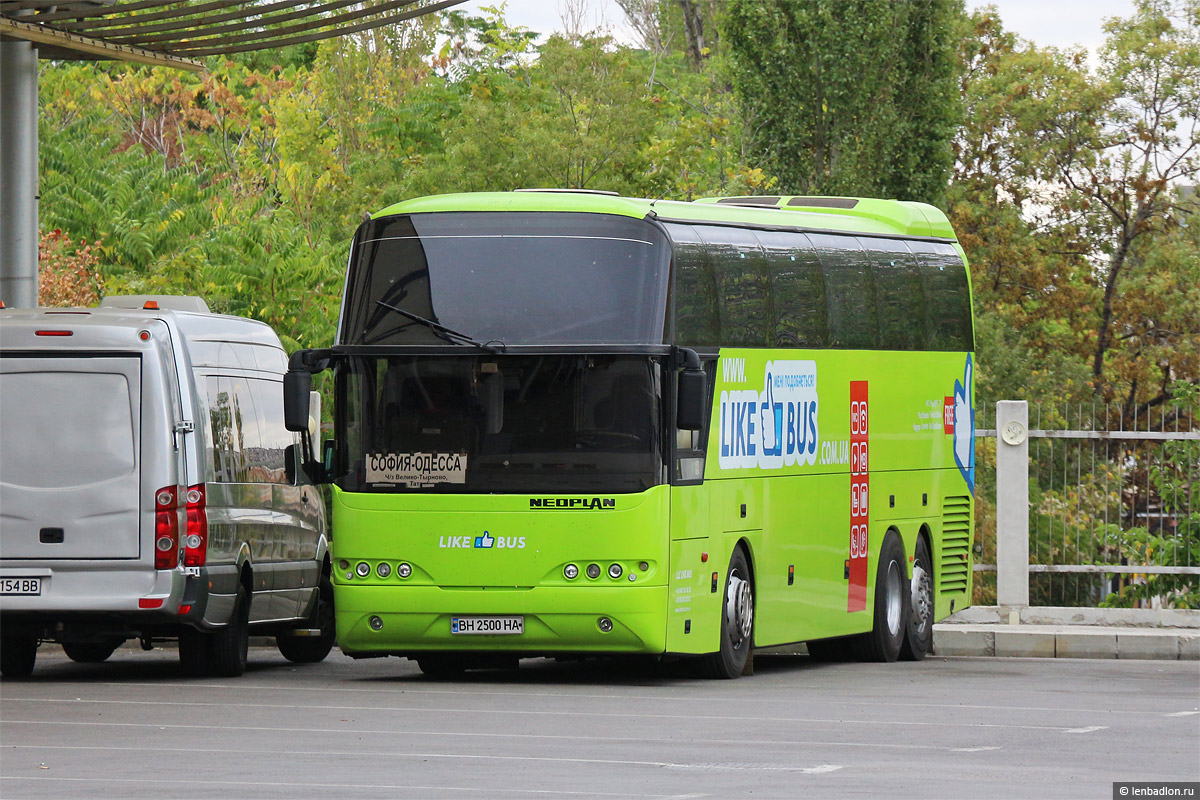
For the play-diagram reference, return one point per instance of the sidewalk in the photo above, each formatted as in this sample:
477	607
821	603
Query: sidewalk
1070	633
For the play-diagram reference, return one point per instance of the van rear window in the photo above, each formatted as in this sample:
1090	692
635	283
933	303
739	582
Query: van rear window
71	428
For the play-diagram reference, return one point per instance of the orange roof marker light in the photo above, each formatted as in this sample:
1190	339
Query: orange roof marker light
151	304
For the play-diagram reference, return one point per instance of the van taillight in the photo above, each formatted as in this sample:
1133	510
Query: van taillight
166	528
195	539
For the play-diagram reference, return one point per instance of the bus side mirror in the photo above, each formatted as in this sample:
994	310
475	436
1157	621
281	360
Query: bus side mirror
693	397
296	387
327	456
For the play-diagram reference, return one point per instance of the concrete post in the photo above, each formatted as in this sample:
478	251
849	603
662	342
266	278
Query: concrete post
18	174
1012	503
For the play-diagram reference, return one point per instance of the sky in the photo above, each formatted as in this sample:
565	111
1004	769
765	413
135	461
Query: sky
1057	23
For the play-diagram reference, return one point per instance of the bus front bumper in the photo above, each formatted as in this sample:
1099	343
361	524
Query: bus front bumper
376	620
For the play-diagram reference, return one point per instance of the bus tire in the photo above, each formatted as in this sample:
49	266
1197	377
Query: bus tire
90	652
882	643
737	622
918	633
228	647
17	655
441	665
312	649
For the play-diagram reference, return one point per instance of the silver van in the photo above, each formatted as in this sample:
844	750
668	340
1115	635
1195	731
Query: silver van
149	489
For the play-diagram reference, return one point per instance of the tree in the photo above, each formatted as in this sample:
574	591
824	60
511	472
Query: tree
850	97
1066	196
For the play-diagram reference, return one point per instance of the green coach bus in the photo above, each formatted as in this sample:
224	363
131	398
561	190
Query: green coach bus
572	423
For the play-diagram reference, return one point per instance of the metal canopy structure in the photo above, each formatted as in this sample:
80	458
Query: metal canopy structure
171	34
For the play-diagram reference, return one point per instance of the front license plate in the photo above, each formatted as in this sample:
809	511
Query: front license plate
492	625
20	585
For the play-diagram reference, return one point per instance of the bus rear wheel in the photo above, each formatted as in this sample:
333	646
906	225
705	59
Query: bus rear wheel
918	633
883	641
737	622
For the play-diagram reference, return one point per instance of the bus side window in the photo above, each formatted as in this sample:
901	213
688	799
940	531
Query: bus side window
697	316
947	297
743	286
849	292
797	289
901	301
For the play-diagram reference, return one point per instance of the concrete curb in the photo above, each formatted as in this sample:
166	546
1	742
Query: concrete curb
1065	641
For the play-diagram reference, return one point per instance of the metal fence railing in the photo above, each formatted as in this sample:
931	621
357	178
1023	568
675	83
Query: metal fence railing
1113	512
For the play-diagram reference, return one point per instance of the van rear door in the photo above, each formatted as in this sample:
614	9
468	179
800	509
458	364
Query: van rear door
70	482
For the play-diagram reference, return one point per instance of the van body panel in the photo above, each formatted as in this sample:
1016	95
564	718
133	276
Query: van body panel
74	489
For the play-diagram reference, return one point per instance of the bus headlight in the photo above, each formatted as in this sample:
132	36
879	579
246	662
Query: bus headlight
404	570
593	571
384	569
571	572
614	571
362	569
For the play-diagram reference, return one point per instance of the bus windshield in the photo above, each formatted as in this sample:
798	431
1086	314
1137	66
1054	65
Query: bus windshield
502	423
507	278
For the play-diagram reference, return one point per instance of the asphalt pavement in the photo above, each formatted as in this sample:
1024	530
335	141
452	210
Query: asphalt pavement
947	727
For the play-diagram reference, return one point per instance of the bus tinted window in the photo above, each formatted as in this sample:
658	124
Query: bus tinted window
797	289
515	278
743	286
697	316
899	297
947	297
849	292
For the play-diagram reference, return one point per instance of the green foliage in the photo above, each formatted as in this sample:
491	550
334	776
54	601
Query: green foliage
849	97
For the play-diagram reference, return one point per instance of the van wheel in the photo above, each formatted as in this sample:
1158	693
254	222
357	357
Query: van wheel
882	642
229	647
17	654
193	652
737	623
918	633
311	649
90	652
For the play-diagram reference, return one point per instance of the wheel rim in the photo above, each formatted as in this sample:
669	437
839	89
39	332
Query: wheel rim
894	599
739	609
922	598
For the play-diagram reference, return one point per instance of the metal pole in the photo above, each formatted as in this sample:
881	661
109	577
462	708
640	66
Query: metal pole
18	174
1012	503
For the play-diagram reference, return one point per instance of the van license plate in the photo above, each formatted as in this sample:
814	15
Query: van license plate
492	625
20	585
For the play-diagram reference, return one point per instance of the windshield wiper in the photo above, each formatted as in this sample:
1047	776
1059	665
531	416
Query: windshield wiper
442	332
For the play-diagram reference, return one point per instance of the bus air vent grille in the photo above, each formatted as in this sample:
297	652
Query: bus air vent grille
954	567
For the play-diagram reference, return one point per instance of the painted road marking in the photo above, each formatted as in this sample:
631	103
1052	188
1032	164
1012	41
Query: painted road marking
972	749
1089	729
575	714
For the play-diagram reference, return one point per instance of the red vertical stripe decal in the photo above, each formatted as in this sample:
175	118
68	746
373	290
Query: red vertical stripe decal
859	496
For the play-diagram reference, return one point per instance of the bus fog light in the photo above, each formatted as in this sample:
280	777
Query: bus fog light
343	564
614	571
384	569
404	570
363	569
376	623
643	566
571	572
593	571
605	624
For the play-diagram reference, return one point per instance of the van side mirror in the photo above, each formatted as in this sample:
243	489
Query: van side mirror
296	387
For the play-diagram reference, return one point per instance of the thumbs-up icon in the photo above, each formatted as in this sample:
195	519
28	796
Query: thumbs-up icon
770	421
964	427
485	541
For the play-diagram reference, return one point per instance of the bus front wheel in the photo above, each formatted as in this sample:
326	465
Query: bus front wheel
737	622
883	641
